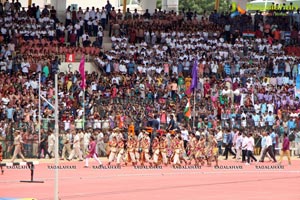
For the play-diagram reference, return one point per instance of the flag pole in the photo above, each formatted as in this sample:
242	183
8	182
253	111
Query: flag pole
39	109
83	114
194	106
56	140
194	86
82	85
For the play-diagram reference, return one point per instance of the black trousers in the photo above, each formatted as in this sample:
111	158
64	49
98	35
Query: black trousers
271	153
244	153
43	147
228	149
250	155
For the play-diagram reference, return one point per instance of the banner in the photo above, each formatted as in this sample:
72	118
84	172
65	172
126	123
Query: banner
70	58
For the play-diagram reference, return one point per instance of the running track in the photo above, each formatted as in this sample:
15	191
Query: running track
167	183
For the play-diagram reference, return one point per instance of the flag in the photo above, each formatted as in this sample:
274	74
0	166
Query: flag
194	75
82	73
194	82
187	110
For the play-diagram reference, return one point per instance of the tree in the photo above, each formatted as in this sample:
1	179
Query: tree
200	5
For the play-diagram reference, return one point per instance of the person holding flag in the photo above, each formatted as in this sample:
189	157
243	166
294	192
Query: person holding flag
193	86
83	86
187	110
82	73
194	76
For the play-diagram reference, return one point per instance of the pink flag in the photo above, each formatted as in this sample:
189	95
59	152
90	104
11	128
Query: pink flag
82	73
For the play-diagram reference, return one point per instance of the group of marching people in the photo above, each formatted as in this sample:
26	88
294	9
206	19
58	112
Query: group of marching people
166	149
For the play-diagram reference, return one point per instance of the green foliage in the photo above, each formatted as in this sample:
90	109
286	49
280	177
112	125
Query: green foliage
158	4
200	5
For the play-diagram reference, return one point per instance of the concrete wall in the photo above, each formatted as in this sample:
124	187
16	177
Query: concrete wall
148	4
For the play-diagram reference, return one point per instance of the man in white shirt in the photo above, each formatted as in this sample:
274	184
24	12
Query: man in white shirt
238	145
185	137
219	138
85	39
268	149
25	67
244	147
250	148
76	147
100	36
264	145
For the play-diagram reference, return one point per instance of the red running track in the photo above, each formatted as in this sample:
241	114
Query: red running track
146	184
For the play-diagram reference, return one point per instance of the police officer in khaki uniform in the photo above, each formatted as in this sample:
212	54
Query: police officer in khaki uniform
67	145
18	146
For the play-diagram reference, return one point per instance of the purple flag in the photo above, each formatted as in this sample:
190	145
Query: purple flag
194	75
82	73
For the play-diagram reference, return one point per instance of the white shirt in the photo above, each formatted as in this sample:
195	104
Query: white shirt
239	142
219	136
85	37
25	67
68	15
67	124
97	124
244	143
250	144
268	141
185	135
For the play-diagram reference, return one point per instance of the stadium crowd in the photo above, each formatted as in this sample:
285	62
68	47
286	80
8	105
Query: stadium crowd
246	85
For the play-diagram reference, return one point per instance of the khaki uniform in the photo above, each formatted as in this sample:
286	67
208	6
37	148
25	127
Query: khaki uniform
81	136
51	144
18	150
76	148
101	149
67	146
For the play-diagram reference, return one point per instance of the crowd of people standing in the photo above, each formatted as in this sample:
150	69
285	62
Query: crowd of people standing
246	88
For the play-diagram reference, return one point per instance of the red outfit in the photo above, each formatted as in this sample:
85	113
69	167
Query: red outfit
92	149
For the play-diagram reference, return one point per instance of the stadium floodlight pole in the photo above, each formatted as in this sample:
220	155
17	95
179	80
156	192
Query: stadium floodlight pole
56	139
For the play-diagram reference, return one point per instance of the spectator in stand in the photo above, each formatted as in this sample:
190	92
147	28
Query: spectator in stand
108	8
